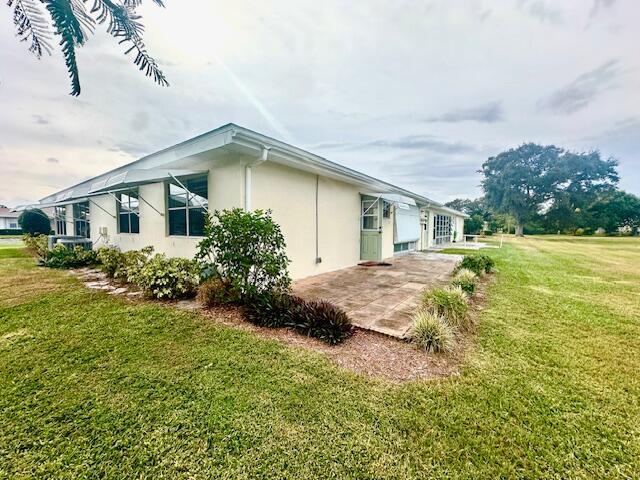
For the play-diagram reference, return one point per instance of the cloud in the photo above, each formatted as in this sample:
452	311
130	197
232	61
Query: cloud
600	5
488	113
40	120
132	148
140	121
583	90
431	143
541	11
52	160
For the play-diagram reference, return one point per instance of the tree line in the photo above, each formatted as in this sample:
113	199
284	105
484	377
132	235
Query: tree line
547	189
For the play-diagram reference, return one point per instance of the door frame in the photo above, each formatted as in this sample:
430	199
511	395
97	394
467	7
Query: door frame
370	232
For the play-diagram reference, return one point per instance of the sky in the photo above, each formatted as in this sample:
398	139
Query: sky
415	93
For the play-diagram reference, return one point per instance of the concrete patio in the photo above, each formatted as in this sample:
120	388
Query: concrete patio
381	298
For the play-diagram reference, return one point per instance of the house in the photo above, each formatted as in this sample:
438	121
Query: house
331	216
8	219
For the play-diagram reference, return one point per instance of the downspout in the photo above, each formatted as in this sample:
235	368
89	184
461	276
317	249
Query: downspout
247	176
318	257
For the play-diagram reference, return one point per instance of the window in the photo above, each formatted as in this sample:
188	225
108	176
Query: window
60	216
13	225
188	208
128	211
386	209
370	215
442	229
81	219
404	247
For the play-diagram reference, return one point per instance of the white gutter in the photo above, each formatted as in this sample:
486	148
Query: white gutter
247	176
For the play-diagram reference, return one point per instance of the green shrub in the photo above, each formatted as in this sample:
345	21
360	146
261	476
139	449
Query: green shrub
465	279
124	266
132	263
432	332
111	259
65	257
478	263
36	245
35	222
271	309
578	232
320	319
247	249
449	302
168	278
215	292
487	233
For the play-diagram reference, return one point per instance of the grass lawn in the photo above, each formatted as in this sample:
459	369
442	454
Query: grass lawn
92	386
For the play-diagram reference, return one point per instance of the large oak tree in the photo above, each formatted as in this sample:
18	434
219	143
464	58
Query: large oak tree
530	179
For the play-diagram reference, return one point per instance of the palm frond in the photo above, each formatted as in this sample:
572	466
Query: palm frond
69	17
137	3
31	25
123	23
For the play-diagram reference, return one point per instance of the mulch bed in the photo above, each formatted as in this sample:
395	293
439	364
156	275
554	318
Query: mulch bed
369	353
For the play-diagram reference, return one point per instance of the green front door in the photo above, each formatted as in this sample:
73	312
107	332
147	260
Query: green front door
371	229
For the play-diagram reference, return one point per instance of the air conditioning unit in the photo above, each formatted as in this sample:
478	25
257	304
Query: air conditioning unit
69	241
104	231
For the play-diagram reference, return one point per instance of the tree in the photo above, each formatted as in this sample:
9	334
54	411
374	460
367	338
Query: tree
246	251
72	21
477	211
35	222
615	210
525	181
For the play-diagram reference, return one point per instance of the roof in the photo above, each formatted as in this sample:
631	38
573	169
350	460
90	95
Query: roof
7	213
232	136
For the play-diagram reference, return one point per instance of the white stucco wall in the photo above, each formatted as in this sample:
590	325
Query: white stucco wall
459	228
224	192
290	194
6	222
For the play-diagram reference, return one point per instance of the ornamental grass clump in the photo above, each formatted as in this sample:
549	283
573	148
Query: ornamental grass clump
449	302
466	280
432	332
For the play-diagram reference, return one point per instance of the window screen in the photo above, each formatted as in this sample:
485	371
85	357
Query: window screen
188	208
81	219
60	215
128	212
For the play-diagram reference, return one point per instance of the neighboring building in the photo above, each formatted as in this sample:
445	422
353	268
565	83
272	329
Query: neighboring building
8	219
331	216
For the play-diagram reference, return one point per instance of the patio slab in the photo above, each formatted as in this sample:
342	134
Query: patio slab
381	298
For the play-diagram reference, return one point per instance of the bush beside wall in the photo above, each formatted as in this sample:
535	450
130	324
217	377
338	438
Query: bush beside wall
168	278
478	263
64	257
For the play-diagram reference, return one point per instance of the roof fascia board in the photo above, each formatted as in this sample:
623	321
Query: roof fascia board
248	138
